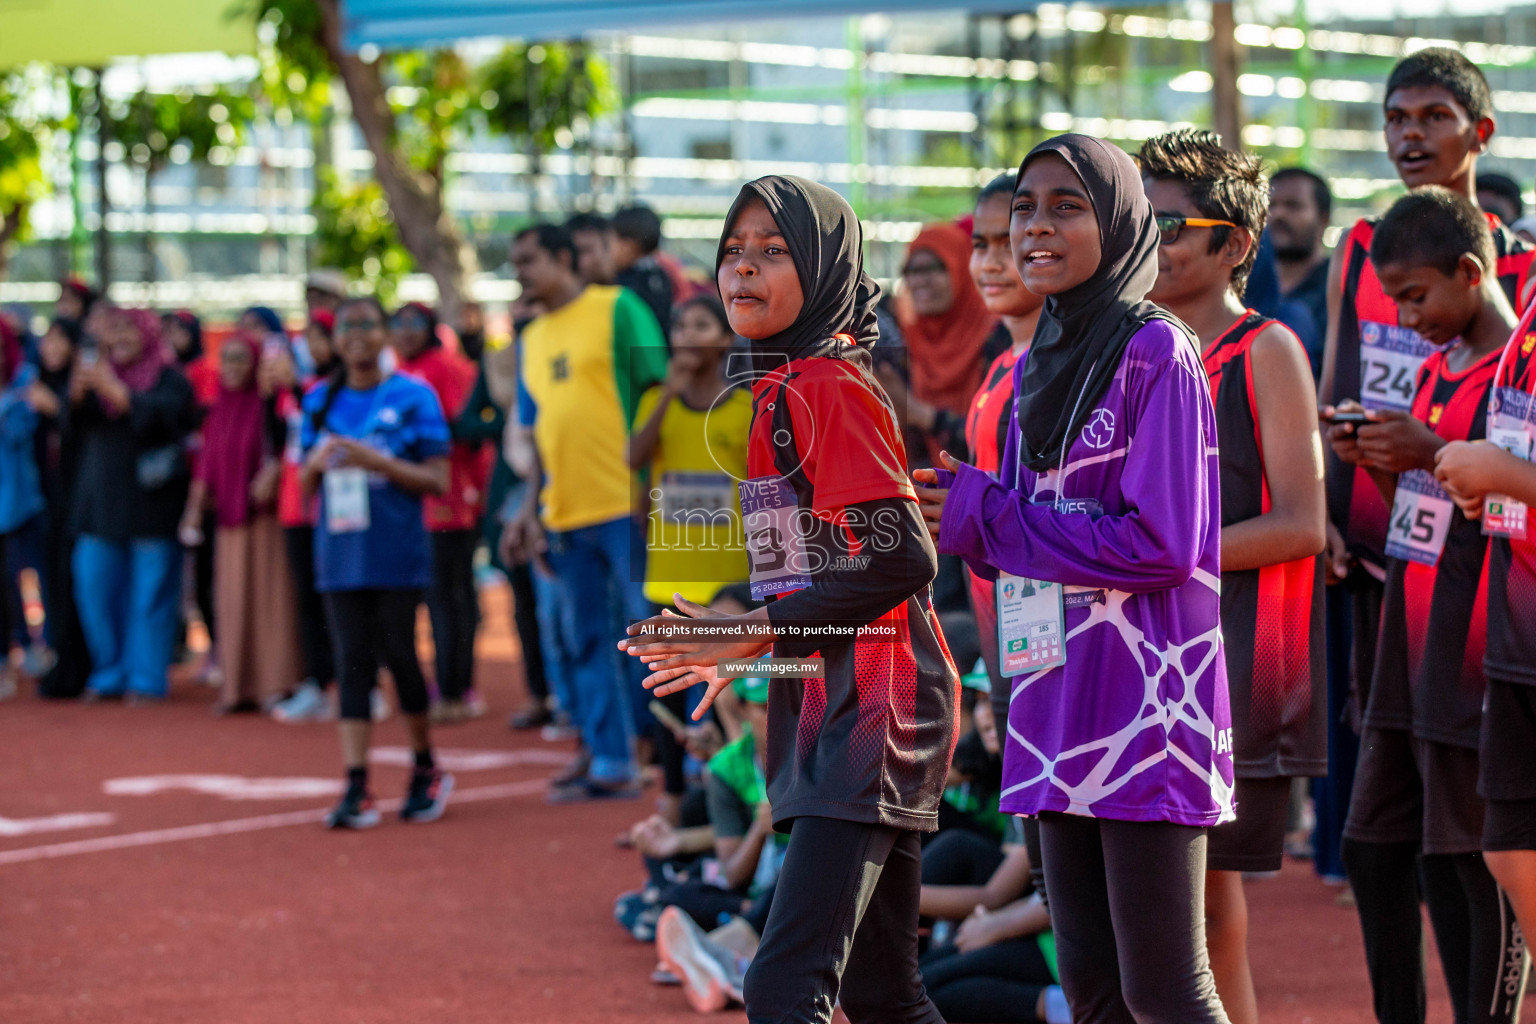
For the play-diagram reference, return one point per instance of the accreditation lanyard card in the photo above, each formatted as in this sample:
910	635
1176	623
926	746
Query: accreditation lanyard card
1511	426
1390	358
772	522
1031	625
696	497
1421	519
346	500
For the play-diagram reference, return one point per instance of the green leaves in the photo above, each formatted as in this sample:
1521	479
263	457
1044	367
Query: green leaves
355	232
24	134
208	124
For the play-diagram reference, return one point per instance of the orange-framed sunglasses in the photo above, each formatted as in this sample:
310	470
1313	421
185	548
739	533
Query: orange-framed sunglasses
1170	224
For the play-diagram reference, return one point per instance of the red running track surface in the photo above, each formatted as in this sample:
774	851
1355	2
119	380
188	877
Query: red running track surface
195	907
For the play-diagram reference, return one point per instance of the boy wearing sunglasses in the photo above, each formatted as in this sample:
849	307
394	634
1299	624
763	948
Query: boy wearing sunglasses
1210	205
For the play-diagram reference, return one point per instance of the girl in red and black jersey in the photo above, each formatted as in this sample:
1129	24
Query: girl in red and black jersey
858	756
1415	796
1210	206
1494	480
986	423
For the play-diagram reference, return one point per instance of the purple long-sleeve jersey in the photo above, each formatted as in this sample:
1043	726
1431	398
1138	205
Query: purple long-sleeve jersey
1136	725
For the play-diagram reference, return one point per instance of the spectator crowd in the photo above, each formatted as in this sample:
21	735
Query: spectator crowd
295	492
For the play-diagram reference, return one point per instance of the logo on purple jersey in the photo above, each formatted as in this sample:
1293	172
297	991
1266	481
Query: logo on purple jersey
1099	431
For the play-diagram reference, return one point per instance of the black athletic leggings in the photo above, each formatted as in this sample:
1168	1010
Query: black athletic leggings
1128	908
373	628
314	633
997	984
960	857
525	617
842	927
455	610
1475	931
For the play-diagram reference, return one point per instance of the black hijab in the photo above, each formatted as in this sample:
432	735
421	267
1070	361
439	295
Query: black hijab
1083	332
826	243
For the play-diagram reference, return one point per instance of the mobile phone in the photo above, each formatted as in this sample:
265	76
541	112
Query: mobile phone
1355	416
90	351
665	716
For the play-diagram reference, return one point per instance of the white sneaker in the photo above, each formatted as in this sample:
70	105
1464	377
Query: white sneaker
308	704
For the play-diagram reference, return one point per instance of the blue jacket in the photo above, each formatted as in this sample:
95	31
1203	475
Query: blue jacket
21	488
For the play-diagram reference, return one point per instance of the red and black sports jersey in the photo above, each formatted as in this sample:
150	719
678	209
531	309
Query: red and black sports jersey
871	741
1354	503
1512	563
1272	617
1429	656
986	424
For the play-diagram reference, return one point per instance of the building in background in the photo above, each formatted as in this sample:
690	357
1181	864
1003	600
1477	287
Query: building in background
907	116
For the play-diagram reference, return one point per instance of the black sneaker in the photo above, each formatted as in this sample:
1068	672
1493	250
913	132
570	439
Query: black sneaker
427	796
355	810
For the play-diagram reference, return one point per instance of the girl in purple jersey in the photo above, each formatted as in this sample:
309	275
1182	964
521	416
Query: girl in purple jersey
1108	492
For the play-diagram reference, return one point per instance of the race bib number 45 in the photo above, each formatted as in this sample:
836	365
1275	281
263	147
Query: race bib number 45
1421	519
1390	358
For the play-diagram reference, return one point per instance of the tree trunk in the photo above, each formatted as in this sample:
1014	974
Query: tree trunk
1225	67
427	229
10	226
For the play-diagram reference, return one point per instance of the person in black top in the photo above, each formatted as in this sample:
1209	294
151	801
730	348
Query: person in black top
636	237
58	461
857	756
132	411
1300	205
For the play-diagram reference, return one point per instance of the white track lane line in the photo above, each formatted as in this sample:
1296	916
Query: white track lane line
182	833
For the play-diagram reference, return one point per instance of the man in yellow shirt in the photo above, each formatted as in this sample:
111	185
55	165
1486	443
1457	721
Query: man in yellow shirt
584	363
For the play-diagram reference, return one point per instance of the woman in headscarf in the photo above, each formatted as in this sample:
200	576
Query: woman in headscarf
58	461
183	332
452	518
237	481
1103	527
132	411
857	763
21	491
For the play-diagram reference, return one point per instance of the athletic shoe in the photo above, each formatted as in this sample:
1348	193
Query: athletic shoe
308	704
38	661
473	706
661	976
380	706
560	729
637	912
427	796
446	712
354	810
712	975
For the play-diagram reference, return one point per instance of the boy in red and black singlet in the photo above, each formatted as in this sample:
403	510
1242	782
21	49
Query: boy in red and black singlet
857	757
1495	481
1415	794
1438	119
986	423
1211	205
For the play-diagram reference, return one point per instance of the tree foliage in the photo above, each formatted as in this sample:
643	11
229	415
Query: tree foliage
25	134
355	232
209	124
535	95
